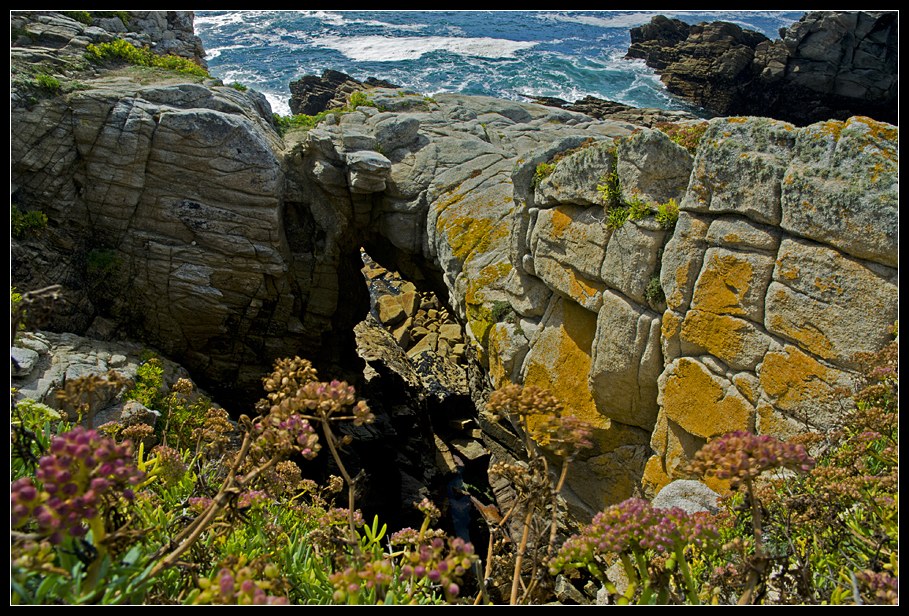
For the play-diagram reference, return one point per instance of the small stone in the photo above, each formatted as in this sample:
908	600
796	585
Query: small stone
390	310
22	361
450	331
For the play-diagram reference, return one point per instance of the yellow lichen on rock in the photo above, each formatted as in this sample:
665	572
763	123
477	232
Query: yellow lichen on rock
561	362
675	298
722	285
722	336
560	222
698	403
791	378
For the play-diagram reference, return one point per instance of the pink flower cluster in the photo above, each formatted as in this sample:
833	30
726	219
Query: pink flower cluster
350	581
83	470
442	567
634	526
742	456
237	588
282	437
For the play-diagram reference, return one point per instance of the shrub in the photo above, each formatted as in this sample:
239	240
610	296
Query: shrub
359	99
638	209
609	190
48	83
238	86
124	50
543	171
80	16
616	217
24	224
668	214
654	292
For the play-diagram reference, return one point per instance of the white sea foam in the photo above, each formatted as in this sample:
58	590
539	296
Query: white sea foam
278	102
609	20
211	54
393	49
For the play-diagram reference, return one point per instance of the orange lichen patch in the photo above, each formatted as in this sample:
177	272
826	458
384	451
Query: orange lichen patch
582	289
733	340
879	130
732	238
467	235
698	403
562	362
787	271
722	285
737	120
487	278
828	284
747	386
655	477
670	325
675	298
497	342
744	155
832	128
772	422
479	314
792	378
785	321
560	222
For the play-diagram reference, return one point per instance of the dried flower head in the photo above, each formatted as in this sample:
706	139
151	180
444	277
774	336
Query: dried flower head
742	456
634	526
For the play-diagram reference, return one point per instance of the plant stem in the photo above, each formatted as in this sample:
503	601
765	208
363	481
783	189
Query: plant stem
519	558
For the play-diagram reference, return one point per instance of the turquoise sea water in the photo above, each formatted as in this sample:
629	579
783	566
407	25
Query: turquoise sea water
508	54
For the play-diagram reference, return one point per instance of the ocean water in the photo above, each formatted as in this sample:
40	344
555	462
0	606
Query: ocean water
507	54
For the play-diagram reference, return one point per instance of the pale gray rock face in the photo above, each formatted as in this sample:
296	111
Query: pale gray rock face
842	188
739	168
653	168
691	496
576	177
626	361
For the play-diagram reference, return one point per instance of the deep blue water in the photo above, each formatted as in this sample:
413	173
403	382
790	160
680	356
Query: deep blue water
508	54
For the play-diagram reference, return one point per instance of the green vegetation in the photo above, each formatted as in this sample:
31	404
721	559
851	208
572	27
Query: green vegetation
686	135
25	224
213	513
48	83
616	217
239	87
80	16
668	214
284	124
120	49
654	292
543	171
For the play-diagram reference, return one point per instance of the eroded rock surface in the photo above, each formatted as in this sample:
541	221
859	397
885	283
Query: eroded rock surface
177	213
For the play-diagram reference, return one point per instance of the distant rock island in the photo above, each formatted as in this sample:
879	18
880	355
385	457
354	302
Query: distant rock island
828	65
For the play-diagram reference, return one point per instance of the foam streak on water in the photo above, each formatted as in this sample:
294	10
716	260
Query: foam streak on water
507	54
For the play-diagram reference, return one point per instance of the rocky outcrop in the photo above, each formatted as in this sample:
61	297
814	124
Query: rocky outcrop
602	109
177	213
312	94
828	65
59	358
165	32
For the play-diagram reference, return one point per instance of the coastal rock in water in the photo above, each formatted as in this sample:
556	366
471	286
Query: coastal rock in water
828	65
